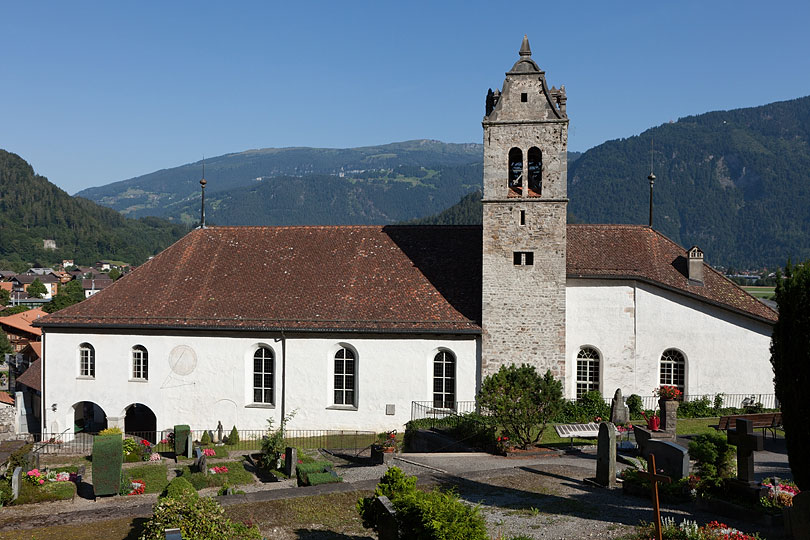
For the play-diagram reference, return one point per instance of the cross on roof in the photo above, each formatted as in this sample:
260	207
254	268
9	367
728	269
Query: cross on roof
655	479
747	443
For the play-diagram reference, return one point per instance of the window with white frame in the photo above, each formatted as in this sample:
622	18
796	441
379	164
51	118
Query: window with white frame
263	369
587	370
673	369
444	380
140	363
87	360
345	377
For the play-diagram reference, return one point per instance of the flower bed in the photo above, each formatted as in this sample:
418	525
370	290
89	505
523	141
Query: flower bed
232	473
41	486
154	476
690	530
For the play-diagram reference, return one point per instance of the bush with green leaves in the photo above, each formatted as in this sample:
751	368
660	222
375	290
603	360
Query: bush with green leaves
434	515
714	458
205	439
697	408
177	488
233	438
36	289
274	444
635	405
201	518
521	402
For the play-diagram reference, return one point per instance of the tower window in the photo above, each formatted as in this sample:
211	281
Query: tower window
523	258
535	166
524	97
515	171
523	217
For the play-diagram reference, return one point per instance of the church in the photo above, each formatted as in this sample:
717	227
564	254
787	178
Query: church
348	325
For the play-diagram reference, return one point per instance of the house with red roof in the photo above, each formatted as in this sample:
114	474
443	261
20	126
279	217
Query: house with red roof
349	325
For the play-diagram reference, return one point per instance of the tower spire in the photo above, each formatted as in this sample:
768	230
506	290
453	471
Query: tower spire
525	50
202	187
651	178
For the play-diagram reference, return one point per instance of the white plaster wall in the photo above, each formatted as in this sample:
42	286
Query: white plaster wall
391	370
632	324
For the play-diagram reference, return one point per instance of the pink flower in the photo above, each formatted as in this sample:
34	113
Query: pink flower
41	481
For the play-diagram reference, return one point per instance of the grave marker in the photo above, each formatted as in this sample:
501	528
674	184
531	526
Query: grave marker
747	443
654	479
200	461
619	413
290	461
606	455
387	524
189	447
16	479
673	459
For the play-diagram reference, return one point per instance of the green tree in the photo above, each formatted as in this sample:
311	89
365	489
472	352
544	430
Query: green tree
5	297
36	289
5	345
521	401
114	274
69	294
790	357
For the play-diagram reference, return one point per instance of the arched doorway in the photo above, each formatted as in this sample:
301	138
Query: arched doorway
141	421
88	417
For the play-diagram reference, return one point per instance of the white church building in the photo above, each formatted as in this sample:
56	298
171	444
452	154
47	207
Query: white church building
348	325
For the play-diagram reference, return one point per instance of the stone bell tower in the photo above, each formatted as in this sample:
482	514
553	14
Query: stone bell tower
524	221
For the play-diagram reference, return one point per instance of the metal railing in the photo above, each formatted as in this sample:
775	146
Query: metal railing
428	409
737	401
82	443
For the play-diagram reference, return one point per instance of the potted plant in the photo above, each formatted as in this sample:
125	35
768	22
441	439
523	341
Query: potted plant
390	444
668	400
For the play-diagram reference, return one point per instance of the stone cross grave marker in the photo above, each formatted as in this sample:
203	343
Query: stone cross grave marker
606	455
747	443
200	461
654	479
290	461
619	413
16	480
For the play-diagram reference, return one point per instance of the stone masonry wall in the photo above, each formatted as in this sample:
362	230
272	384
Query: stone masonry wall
7	431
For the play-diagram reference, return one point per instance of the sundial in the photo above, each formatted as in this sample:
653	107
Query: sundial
182	360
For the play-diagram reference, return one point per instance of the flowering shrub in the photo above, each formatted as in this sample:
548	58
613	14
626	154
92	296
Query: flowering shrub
689	530
667	392
210	452
218	470
34	476
154	456
503	445
390	439
780	494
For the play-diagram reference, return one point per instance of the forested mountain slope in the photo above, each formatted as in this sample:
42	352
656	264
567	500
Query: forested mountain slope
32	210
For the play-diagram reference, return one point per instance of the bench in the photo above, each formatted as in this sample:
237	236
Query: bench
581	431
765	421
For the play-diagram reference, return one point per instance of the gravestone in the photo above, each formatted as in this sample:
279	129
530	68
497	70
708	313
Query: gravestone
606	455
672	459
181	434
797	517
290	461
16	480
200	461
219	432
189	447
387	525
619	413
747	443
173	534
108	459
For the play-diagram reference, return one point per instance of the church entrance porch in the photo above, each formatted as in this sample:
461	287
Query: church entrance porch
88	417
141	421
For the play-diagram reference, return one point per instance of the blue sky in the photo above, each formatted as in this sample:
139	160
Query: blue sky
93	93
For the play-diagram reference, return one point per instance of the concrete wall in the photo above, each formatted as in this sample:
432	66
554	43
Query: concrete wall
212	380
632	324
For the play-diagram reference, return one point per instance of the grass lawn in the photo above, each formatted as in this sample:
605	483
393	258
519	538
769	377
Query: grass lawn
236	475
51	460
685	426
114	529
155	476
760	292
49	491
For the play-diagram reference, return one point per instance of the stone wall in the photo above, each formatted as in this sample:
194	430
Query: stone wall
7	431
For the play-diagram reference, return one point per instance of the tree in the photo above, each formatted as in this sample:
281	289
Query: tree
114	274
5	298
36	289
71	293
521	401
5	345
790	357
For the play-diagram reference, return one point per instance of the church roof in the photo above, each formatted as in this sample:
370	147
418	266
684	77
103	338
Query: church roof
31	376
362	278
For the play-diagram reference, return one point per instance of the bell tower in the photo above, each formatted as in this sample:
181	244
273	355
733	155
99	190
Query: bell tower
525	202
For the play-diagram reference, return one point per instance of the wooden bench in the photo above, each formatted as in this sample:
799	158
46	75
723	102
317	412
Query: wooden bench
764	421
581	431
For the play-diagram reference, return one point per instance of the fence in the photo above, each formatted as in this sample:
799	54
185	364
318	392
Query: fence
249	440
427	409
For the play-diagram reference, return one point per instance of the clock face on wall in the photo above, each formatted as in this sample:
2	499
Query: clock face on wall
182	360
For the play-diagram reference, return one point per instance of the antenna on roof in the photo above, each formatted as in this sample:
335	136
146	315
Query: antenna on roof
651	178
202	187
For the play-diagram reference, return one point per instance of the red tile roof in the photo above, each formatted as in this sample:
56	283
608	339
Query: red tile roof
22	321
6	398
31	376
362	278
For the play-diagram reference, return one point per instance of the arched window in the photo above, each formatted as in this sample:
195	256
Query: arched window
535	170
673	369
444	380
515	171
140	363
345	375
87	360
263	369
587	370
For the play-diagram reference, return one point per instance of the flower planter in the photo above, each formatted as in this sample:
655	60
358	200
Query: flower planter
669	414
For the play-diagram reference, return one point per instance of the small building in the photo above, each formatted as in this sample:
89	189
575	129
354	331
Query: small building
93	285
19	329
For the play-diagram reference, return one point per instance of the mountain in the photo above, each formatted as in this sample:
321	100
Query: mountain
33	210
386	169
736	183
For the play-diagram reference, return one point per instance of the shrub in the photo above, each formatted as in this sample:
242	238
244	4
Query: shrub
19	458
305	470
273	444
592	405
201	518
714	459
521	400
179	487
181	434
233	438
635	405
111	431
437	515
206	438
108	456
698	408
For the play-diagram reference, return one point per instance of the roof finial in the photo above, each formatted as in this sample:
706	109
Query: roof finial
525	50
651	178
202	186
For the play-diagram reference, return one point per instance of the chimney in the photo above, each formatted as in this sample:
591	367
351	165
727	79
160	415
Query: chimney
695	266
